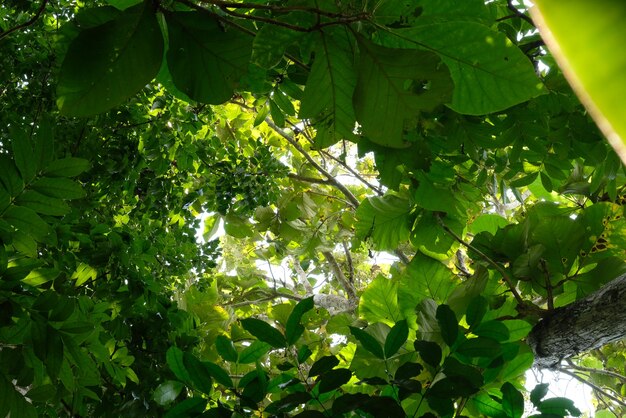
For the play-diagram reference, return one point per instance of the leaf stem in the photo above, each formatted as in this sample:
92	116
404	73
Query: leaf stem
29	22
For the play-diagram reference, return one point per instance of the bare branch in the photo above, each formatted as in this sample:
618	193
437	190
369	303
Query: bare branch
594	387
29	22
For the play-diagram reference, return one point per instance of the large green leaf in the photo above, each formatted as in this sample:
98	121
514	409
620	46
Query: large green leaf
167	391
206	62
42	204
60	187
396	338
107	64
26	220
385	220
330	86
293	329
490	73
379	302
587	38
393	86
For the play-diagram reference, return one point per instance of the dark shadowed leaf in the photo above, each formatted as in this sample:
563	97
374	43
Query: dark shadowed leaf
333	379
323	365
264	332
429	351
448	324
396	338
368	342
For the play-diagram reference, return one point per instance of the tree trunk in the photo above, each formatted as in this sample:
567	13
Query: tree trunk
584	325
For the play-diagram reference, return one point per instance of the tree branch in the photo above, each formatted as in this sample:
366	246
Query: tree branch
519	14
599	371
331	180
498	267
376	190
29	22
341	278
307	179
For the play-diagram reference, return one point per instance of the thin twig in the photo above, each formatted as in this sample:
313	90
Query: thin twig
346	250
332	180
592	370
274	8
29	22
498	267
594	387
376	190
518	13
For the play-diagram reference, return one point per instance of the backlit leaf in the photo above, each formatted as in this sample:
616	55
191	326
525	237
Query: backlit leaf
109	63
206	61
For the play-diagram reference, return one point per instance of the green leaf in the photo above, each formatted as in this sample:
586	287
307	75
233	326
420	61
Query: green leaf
424	278
559	407
479	347
41	393
40	276
188	408
293	329
396	338
322	365
576	46
288	403
167	392
518	329
429	351
175	361
378	302
330	86
271	41
42	204
392	89
512	401
199	374
495	330
226	348
26	220
476	310
264	332
448	324
385	220
490	73
538	393
9	176
205	60
23	155
333	379
253	352
62	188
66	167
109	63
368	342
518	365
220	375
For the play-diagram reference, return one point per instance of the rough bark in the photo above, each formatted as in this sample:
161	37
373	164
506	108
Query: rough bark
584	325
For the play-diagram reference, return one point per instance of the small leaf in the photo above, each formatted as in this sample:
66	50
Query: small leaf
322	365
476	310
479	347
396	338
429	351
175	361
333	379
408	371
188	408
288	403
538	393
264	332
512	401
42	204
226	348
23	155
448	324
253	352
199	374
60	187
495	330
294	329
66	167
167	392
220	375
368	342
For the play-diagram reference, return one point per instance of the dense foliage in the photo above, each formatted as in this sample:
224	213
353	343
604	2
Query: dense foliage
301	208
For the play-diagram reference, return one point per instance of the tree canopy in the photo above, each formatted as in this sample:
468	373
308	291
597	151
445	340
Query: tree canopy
305	208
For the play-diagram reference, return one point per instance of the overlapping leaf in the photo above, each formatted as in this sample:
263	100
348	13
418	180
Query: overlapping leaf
394	85
205	61
109	63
